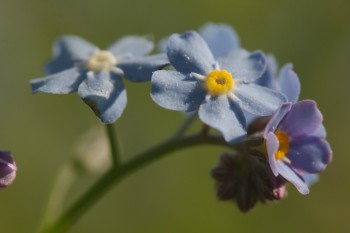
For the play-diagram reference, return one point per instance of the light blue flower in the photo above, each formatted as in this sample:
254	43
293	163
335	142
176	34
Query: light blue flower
79	66
296	145
218	89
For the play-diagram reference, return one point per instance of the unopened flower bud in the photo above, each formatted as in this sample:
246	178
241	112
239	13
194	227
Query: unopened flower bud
246	179
8	169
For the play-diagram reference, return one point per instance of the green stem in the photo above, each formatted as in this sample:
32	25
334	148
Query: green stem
65	178
185	125
118	173
113	145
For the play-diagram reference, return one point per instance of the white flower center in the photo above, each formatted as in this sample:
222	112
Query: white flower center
101	60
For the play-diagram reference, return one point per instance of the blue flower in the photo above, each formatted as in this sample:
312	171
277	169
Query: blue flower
218	89
79	66
8	169
296	145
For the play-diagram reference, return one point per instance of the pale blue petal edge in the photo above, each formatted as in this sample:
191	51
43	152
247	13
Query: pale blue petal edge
289	83
68	51
132	46
104	94
244	66
140	69
221	38
258	100
225	116
63	82
189	53
176	91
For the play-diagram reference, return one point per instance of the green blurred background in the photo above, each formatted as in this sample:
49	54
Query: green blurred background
174	194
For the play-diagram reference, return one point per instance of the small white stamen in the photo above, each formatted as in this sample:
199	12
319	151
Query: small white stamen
232	96
207	97
117	70
217	66
198	76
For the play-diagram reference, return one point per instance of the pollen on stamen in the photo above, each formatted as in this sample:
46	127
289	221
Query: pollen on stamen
219	82
101	61
283	145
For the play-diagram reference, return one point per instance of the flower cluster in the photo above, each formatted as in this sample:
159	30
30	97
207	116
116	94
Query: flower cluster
231	89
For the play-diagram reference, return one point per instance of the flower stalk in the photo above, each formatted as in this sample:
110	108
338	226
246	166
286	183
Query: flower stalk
117	173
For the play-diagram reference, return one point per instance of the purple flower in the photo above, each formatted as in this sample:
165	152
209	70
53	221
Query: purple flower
8	169
295	143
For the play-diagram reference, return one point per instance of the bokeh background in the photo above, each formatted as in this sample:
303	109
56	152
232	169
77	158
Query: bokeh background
174	194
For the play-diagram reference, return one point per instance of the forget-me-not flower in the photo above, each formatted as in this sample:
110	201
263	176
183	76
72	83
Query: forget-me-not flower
296	145
217	88
287	82
79	66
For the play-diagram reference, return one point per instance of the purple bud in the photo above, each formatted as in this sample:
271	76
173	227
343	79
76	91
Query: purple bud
279	191
8	169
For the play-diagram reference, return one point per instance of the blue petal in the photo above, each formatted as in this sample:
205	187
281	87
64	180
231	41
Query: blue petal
258	100
189	53
320	132
221	38
140	69
277	118
132	45
176	91
105	95
310	154
289	174
244	65
225	116
310	179
289	83
68	51
63	82
304	118
272	145
268	79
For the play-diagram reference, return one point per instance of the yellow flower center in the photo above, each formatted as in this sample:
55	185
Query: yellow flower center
284	145
219	82
101	61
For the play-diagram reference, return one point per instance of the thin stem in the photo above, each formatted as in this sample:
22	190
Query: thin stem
65	178
185	125
113	145
118	173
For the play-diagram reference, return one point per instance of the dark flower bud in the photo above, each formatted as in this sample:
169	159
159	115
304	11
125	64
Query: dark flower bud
246	179
258	125
8	169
